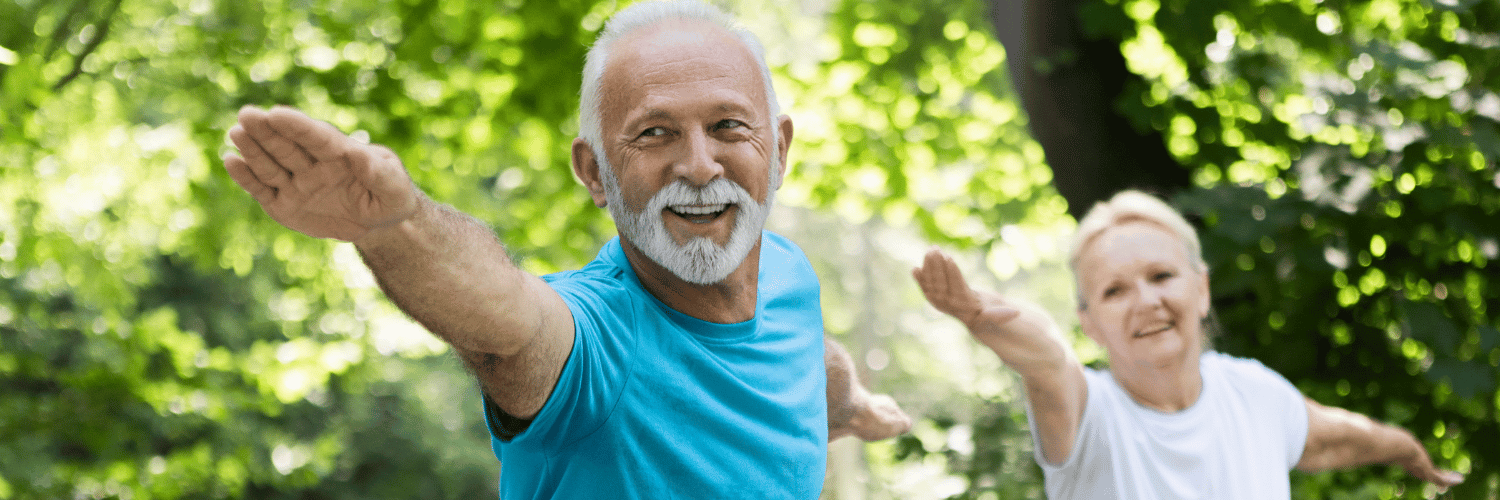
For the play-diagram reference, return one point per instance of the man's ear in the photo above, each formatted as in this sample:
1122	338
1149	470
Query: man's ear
586	168
783	144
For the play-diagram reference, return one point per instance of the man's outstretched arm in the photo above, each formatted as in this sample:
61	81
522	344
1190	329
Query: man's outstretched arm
443	268
852	410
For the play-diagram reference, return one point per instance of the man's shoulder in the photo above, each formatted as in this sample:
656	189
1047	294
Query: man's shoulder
603	278
596	271
779	244
776	251
787	277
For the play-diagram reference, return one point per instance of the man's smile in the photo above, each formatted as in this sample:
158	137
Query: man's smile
699	214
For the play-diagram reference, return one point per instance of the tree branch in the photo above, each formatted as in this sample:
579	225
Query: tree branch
89	47
61	32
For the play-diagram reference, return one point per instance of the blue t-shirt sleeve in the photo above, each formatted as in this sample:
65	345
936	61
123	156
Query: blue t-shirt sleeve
591	380
502	425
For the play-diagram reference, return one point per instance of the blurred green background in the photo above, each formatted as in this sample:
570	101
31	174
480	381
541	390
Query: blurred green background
161	338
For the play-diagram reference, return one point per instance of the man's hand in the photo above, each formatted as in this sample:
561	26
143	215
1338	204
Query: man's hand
442	267
852	410
874	417
316	180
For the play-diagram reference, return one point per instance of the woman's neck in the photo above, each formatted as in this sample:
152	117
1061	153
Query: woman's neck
1168	388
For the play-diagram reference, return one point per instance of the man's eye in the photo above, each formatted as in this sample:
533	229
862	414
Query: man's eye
723	124
654	132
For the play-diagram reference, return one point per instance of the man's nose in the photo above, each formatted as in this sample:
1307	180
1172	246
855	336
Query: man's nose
698	164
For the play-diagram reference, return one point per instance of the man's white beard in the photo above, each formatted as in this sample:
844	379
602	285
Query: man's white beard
699	261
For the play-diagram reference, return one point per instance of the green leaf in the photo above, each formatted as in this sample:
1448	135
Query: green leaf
1428	323
1467	379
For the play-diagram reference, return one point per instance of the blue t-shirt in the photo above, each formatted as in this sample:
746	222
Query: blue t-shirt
655	404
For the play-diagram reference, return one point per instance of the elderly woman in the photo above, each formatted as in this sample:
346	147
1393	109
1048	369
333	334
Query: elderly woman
1168	419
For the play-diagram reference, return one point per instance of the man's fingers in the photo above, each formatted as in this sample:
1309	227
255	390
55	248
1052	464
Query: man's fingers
315	138
261	165
281	146
240	171
893	421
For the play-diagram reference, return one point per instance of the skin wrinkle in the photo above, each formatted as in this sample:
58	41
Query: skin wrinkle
699	259
448	272
688	101
1153	284
631	150
722	78
1128	242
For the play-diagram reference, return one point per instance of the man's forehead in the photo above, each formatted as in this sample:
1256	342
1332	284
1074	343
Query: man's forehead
704	61
671	34
726	105
680	45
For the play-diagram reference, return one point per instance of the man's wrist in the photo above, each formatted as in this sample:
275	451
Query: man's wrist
402	230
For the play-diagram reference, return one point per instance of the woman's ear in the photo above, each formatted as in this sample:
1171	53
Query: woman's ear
1086	323
1205	300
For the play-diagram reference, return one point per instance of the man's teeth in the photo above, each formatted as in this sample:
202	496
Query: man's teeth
699	209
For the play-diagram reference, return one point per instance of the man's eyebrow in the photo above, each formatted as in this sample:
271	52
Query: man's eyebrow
650	114
662	114
655	113
733	107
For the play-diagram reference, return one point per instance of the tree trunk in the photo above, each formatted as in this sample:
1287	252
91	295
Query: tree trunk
1069	86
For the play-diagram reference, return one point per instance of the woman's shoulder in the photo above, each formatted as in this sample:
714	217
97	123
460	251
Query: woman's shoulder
1244	374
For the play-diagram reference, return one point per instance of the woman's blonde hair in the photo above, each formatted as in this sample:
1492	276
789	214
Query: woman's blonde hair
1133	206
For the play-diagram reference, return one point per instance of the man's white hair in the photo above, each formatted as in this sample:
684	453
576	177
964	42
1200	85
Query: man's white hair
643	15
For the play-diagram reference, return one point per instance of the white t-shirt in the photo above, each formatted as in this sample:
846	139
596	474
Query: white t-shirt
1238	441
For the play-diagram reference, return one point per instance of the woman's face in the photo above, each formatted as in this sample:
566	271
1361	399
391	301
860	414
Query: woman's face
1145	303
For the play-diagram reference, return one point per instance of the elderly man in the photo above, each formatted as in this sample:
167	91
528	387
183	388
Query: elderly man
686	359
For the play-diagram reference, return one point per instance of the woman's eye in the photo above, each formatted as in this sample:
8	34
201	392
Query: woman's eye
1162	276
654	132
1112	291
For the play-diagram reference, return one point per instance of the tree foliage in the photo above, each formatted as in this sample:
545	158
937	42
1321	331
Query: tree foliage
161	338
1343	156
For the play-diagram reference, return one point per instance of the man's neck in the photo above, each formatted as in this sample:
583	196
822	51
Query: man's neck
731	300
